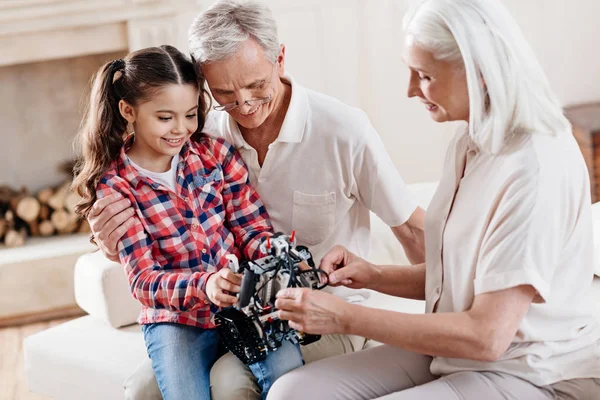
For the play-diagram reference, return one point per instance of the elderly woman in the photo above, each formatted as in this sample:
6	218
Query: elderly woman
508	240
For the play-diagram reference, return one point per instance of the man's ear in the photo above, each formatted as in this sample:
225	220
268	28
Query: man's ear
281	61
127	111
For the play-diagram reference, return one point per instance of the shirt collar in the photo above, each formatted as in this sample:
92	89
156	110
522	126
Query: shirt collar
132	175
294	123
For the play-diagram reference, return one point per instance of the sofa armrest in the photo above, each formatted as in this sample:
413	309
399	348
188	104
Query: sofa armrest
596	227
101	289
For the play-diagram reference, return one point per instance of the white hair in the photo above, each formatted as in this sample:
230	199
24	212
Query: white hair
217	33
508	91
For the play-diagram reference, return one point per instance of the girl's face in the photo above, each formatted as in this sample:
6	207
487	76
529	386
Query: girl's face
440	85
162	125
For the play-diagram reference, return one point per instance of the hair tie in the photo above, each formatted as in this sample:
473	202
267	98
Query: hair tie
117	67
118	64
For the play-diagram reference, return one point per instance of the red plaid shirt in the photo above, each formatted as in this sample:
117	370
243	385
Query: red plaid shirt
180	238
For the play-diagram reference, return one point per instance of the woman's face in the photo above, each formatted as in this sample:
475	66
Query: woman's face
440	85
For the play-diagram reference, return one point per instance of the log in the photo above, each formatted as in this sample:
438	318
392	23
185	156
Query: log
44	195
46	228
34	228
71	200
10	218
15	238
44	212
73	225
28	209
64	222
60	219
17	196
16	230
57	200
3	227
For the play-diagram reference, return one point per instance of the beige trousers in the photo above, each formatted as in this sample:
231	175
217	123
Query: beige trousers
230	379
389	373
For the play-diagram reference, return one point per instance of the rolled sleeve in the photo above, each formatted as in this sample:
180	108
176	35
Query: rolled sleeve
379	185
506	280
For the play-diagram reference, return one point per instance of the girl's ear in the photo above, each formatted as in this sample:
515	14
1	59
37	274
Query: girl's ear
127	111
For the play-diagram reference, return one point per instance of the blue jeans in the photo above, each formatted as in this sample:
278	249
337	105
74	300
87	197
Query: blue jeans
181	359
183	355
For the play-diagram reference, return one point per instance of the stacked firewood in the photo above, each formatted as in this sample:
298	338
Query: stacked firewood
47	213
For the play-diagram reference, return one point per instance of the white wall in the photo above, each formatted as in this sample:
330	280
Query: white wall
351	49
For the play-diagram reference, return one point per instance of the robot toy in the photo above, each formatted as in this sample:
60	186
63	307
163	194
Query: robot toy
252	329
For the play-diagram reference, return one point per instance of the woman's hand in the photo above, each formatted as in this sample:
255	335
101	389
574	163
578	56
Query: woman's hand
110	218
312	311
220	286
346	268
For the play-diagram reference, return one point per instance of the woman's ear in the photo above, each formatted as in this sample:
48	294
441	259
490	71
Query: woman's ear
127	111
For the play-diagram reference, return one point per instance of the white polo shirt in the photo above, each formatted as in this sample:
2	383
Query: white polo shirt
519	218
323	173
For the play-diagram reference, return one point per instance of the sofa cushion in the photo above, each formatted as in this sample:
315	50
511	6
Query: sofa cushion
142	384
101	289
83	358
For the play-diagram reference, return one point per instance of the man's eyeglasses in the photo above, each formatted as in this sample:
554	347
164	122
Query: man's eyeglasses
249	102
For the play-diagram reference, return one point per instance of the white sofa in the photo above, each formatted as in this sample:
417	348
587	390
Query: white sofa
102	355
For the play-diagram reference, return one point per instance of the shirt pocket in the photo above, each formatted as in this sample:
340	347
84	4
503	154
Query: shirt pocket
208	188
313	216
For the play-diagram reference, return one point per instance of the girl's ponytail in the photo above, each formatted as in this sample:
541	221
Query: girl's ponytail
101	135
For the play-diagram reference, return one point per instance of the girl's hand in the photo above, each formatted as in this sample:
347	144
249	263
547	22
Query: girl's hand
220	285
346	268
312	311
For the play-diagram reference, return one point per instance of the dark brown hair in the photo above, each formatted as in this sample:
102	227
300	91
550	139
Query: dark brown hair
133	79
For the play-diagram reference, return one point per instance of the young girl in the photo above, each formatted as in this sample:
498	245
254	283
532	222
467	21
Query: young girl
193	205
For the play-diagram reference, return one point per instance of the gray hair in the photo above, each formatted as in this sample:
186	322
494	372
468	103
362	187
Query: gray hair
514	96
216	34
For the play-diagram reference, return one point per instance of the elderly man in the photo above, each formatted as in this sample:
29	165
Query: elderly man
318	164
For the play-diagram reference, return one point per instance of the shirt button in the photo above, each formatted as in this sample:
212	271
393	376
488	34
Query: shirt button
206	302
186	199
194	226
437	290
203	251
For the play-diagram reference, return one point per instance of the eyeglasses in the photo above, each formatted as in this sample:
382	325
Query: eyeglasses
249	102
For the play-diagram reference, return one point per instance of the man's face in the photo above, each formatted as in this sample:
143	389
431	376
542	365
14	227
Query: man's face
246	75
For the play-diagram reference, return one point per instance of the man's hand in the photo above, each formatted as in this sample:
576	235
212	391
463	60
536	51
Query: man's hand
109	219
220	285
312	311
347	269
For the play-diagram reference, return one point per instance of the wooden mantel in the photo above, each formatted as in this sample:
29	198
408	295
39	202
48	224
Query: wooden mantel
585	119
42	30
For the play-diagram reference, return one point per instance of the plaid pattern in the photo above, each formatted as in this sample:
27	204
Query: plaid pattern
181	238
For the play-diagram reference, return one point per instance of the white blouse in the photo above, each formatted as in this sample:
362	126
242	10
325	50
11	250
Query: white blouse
522	217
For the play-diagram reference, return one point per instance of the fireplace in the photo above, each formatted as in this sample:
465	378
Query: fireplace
50	50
